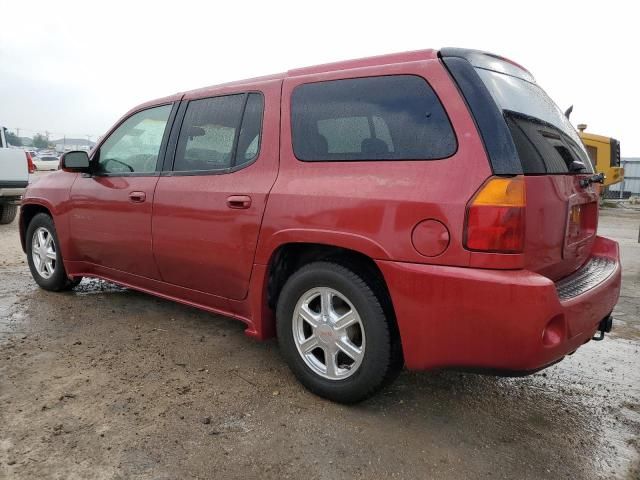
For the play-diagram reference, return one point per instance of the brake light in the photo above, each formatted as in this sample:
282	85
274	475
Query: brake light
495	217
30	165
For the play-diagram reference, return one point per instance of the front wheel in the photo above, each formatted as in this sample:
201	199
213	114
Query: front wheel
44	257
334	334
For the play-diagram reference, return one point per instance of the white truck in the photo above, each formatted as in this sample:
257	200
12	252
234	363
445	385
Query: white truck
14	177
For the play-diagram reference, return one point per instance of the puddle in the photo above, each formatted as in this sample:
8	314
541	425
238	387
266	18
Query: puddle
13	288
604	377
91	286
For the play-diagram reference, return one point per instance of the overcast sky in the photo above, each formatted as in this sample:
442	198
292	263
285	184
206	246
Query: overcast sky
75	67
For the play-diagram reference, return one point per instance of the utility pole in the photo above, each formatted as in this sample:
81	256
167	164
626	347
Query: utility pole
89	140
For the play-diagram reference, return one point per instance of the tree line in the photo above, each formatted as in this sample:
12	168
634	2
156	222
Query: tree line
39	140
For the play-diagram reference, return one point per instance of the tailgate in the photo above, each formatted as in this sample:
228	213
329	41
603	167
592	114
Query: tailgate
561	214
561	219
14	171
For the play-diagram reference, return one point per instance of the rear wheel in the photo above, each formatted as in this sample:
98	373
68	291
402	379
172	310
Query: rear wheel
8	213
334	334
44	257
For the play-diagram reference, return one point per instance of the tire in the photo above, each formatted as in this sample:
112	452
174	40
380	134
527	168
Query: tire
8	213
53	278
347	378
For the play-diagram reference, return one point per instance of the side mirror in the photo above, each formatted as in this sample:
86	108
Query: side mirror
75	161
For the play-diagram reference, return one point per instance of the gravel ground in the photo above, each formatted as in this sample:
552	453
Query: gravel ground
104	382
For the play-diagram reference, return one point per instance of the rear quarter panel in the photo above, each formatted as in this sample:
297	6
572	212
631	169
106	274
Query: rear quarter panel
372	207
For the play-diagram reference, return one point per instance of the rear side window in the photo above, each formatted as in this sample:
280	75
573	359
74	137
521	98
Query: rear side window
375	118
220	133
249	139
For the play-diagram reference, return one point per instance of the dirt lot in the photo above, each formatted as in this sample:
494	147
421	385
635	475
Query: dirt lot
105	382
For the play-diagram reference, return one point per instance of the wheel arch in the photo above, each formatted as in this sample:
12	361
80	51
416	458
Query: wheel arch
289	257
345	240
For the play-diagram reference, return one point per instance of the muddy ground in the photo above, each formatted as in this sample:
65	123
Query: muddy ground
104	382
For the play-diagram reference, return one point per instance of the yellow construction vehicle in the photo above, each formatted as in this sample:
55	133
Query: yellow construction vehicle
604	153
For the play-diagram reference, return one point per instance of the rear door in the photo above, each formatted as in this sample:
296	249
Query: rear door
111	209
210	200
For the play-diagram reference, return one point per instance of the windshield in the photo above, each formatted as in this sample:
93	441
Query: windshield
536	123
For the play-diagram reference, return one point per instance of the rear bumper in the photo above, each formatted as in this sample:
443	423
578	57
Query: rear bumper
11	194
504	320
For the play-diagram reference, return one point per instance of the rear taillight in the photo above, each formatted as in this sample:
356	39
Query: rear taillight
32	167
496	216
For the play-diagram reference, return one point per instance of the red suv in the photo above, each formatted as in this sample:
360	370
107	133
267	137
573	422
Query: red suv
429	209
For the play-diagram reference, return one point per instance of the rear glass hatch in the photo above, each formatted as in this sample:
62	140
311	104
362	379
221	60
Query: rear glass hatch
561	213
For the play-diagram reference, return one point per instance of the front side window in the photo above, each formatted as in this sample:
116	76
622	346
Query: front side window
395	117
216	136
134	146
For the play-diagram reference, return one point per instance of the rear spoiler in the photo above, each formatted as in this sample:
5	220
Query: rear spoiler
489	61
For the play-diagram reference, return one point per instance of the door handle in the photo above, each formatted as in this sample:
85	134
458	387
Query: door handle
239	201
137	197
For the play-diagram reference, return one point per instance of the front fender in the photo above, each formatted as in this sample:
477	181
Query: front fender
50	193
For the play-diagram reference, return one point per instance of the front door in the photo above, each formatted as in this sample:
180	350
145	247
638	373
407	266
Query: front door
208	208
111	209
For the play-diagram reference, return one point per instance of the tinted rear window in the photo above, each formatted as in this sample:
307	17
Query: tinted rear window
543	148
546	141
375	118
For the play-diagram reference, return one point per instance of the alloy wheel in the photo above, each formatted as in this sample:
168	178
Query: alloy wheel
328	333
43	252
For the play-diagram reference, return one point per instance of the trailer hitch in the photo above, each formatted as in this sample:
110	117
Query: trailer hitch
605	327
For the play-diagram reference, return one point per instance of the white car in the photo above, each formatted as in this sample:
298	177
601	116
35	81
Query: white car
46	162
